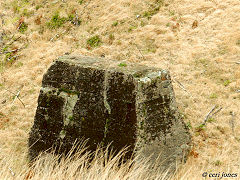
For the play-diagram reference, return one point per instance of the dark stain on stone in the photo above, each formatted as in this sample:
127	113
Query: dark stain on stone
89	110
47	124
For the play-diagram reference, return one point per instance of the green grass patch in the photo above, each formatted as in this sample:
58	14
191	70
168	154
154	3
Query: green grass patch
23	27
213	96
111	37
74	19
115	23
19	64
130	29
27	13
238	42
38	7
122	65
171	13
9	51
5	48
226	82
148	14
154	9
189	125
143	23
80	2
211	119
16	7
151	50
9	57
71	17
119	42
56	21
94	41
201	127
218	163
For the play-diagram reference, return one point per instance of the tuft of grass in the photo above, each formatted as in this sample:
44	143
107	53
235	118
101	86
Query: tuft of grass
23	27
111	37
115	23
94	41
151	50
226	82
80	2
56	21
171	13
148	14
119	42
20	64
122	65
143	23
27	13
74	19
9	57
218	163
189	125
213	96
201	127
16	7
211	119
130	29
38	7
154	9
159	2
71	17
238	42
8	53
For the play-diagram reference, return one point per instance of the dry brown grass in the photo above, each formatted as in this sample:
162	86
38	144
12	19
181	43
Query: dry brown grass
197	40
90	166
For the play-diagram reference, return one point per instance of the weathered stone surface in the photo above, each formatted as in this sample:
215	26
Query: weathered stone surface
100	100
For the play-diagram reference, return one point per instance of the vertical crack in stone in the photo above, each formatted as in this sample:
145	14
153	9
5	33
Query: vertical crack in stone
106	84
106	104
106	128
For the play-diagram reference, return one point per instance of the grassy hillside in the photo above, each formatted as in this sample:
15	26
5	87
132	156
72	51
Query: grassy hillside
197	40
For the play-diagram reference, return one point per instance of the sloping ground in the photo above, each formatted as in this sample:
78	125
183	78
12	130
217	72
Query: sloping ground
197	40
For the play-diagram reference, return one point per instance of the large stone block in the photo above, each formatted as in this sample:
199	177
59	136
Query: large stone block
100	100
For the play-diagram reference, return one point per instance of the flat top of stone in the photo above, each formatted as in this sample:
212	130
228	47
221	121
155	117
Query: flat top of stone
136	70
